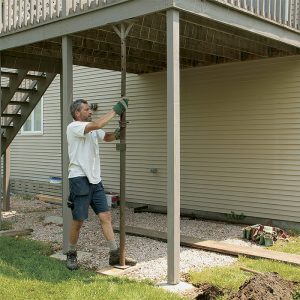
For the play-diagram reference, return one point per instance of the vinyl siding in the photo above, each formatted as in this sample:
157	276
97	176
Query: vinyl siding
37	157
240	137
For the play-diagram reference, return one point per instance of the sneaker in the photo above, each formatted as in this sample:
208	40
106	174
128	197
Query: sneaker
114	258
72	263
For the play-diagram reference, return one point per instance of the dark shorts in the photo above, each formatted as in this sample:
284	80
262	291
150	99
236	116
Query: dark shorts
84	194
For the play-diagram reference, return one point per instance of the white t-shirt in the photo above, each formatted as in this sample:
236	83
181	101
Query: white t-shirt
84	151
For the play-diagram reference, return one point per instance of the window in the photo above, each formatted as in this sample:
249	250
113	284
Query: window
34	123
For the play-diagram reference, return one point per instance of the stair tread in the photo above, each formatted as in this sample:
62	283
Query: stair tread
10	115
15	102
28	76
23	90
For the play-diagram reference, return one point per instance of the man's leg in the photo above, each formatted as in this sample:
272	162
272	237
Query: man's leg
78	201
106	225
100	207
114	253
72	263
74	233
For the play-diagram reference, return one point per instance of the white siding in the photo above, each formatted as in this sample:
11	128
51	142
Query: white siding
240	133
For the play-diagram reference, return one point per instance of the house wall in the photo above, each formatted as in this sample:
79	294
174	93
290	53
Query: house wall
240	129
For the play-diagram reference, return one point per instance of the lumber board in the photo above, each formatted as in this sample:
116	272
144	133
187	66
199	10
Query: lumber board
15	232
49	199
217	246
113	271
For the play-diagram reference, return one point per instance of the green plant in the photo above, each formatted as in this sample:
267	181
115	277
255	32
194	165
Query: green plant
293	231
27	197
6	225
296	295
235	217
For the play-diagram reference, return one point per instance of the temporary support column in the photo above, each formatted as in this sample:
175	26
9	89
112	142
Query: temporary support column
66	87
122	33
173	148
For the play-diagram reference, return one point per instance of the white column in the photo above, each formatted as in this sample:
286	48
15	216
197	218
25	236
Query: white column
0	148
173	140
66	88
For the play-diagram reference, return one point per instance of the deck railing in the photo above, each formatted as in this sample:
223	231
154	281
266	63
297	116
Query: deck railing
17	14
283	12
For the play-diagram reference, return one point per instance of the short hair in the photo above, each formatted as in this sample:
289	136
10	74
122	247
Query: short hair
76	106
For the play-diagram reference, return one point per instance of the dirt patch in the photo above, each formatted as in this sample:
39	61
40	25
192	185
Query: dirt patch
204	291
208	292
268	286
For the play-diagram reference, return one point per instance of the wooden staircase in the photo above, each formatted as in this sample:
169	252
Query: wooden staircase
21	92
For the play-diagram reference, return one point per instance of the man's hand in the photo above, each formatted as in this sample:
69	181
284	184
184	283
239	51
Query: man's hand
117	133
121	106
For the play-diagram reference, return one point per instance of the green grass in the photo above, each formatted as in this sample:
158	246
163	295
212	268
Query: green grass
231	277
292	246
26	272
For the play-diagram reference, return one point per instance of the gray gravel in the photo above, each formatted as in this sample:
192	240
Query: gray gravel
150	254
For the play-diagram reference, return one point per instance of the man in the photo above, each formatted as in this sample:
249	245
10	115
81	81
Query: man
86	188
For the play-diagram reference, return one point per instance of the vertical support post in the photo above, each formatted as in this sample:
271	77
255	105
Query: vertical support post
6	180
0	147
122	33
122	149
173	140
66	88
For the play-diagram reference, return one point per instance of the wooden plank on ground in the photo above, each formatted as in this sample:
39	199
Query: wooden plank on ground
216	246
112	271
15	232
49	199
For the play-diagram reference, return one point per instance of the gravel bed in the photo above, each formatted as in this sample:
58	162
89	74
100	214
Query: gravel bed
150	254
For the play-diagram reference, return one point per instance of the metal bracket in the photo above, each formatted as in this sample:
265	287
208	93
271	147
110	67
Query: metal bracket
120	147
123	124
122	32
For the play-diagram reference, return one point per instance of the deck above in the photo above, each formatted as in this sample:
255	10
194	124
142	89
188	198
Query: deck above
211	32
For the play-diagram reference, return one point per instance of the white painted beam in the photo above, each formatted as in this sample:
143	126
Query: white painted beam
173	146
66	81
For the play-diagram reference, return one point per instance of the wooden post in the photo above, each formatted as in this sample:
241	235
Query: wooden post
173	140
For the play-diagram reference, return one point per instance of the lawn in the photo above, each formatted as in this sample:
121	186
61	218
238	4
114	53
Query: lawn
27	272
